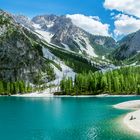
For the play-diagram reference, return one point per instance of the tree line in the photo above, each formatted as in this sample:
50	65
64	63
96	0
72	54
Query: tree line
125	80
8	88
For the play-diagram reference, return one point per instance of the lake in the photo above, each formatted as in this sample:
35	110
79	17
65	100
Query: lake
64	118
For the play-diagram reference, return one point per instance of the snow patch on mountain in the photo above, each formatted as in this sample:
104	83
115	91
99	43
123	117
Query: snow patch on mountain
37	26
47	54
50	25
45	35
90	49
61	31
134	64
87	48
66	46
65	72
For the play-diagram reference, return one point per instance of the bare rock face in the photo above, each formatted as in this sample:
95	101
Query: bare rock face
45	20
67	35
129	46
21	19
20	55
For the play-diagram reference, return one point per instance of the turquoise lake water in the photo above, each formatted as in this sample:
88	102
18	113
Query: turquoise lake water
63	119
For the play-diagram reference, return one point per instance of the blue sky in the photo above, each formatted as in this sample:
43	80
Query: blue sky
84	7
59	7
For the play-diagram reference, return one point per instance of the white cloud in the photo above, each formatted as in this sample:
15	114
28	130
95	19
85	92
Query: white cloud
129	19
95	18
125	24
131	7
91	24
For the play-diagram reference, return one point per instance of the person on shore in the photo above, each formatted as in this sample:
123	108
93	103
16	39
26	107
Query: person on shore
132	118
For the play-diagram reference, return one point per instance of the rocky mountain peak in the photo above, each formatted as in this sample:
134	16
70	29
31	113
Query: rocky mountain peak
23	20
60	31
129	46
45	20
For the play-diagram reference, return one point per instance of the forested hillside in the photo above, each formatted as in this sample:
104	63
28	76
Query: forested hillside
75	61
125	80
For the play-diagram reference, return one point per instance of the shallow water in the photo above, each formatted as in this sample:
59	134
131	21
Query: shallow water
63	119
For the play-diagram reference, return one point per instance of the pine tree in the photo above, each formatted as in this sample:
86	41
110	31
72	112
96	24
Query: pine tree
104	83
16	87
8	88
11	88
121	81
1	88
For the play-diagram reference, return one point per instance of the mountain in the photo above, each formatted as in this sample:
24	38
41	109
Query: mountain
21	56
25	21
128	48
60	30
26	58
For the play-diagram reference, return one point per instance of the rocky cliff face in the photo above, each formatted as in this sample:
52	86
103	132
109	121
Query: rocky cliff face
45	21
21	56
24	21
60	31
129	46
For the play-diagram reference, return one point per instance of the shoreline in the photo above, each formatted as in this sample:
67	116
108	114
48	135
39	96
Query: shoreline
132	119
46	94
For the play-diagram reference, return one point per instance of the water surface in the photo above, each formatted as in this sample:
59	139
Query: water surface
63	119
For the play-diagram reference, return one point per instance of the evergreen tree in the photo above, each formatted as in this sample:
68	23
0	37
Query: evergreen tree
125	80
8	88
1	88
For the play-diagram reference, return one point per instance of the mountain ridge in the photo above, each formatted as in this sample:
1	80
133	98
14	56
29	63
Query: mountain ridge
128	48
60	30
41	51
